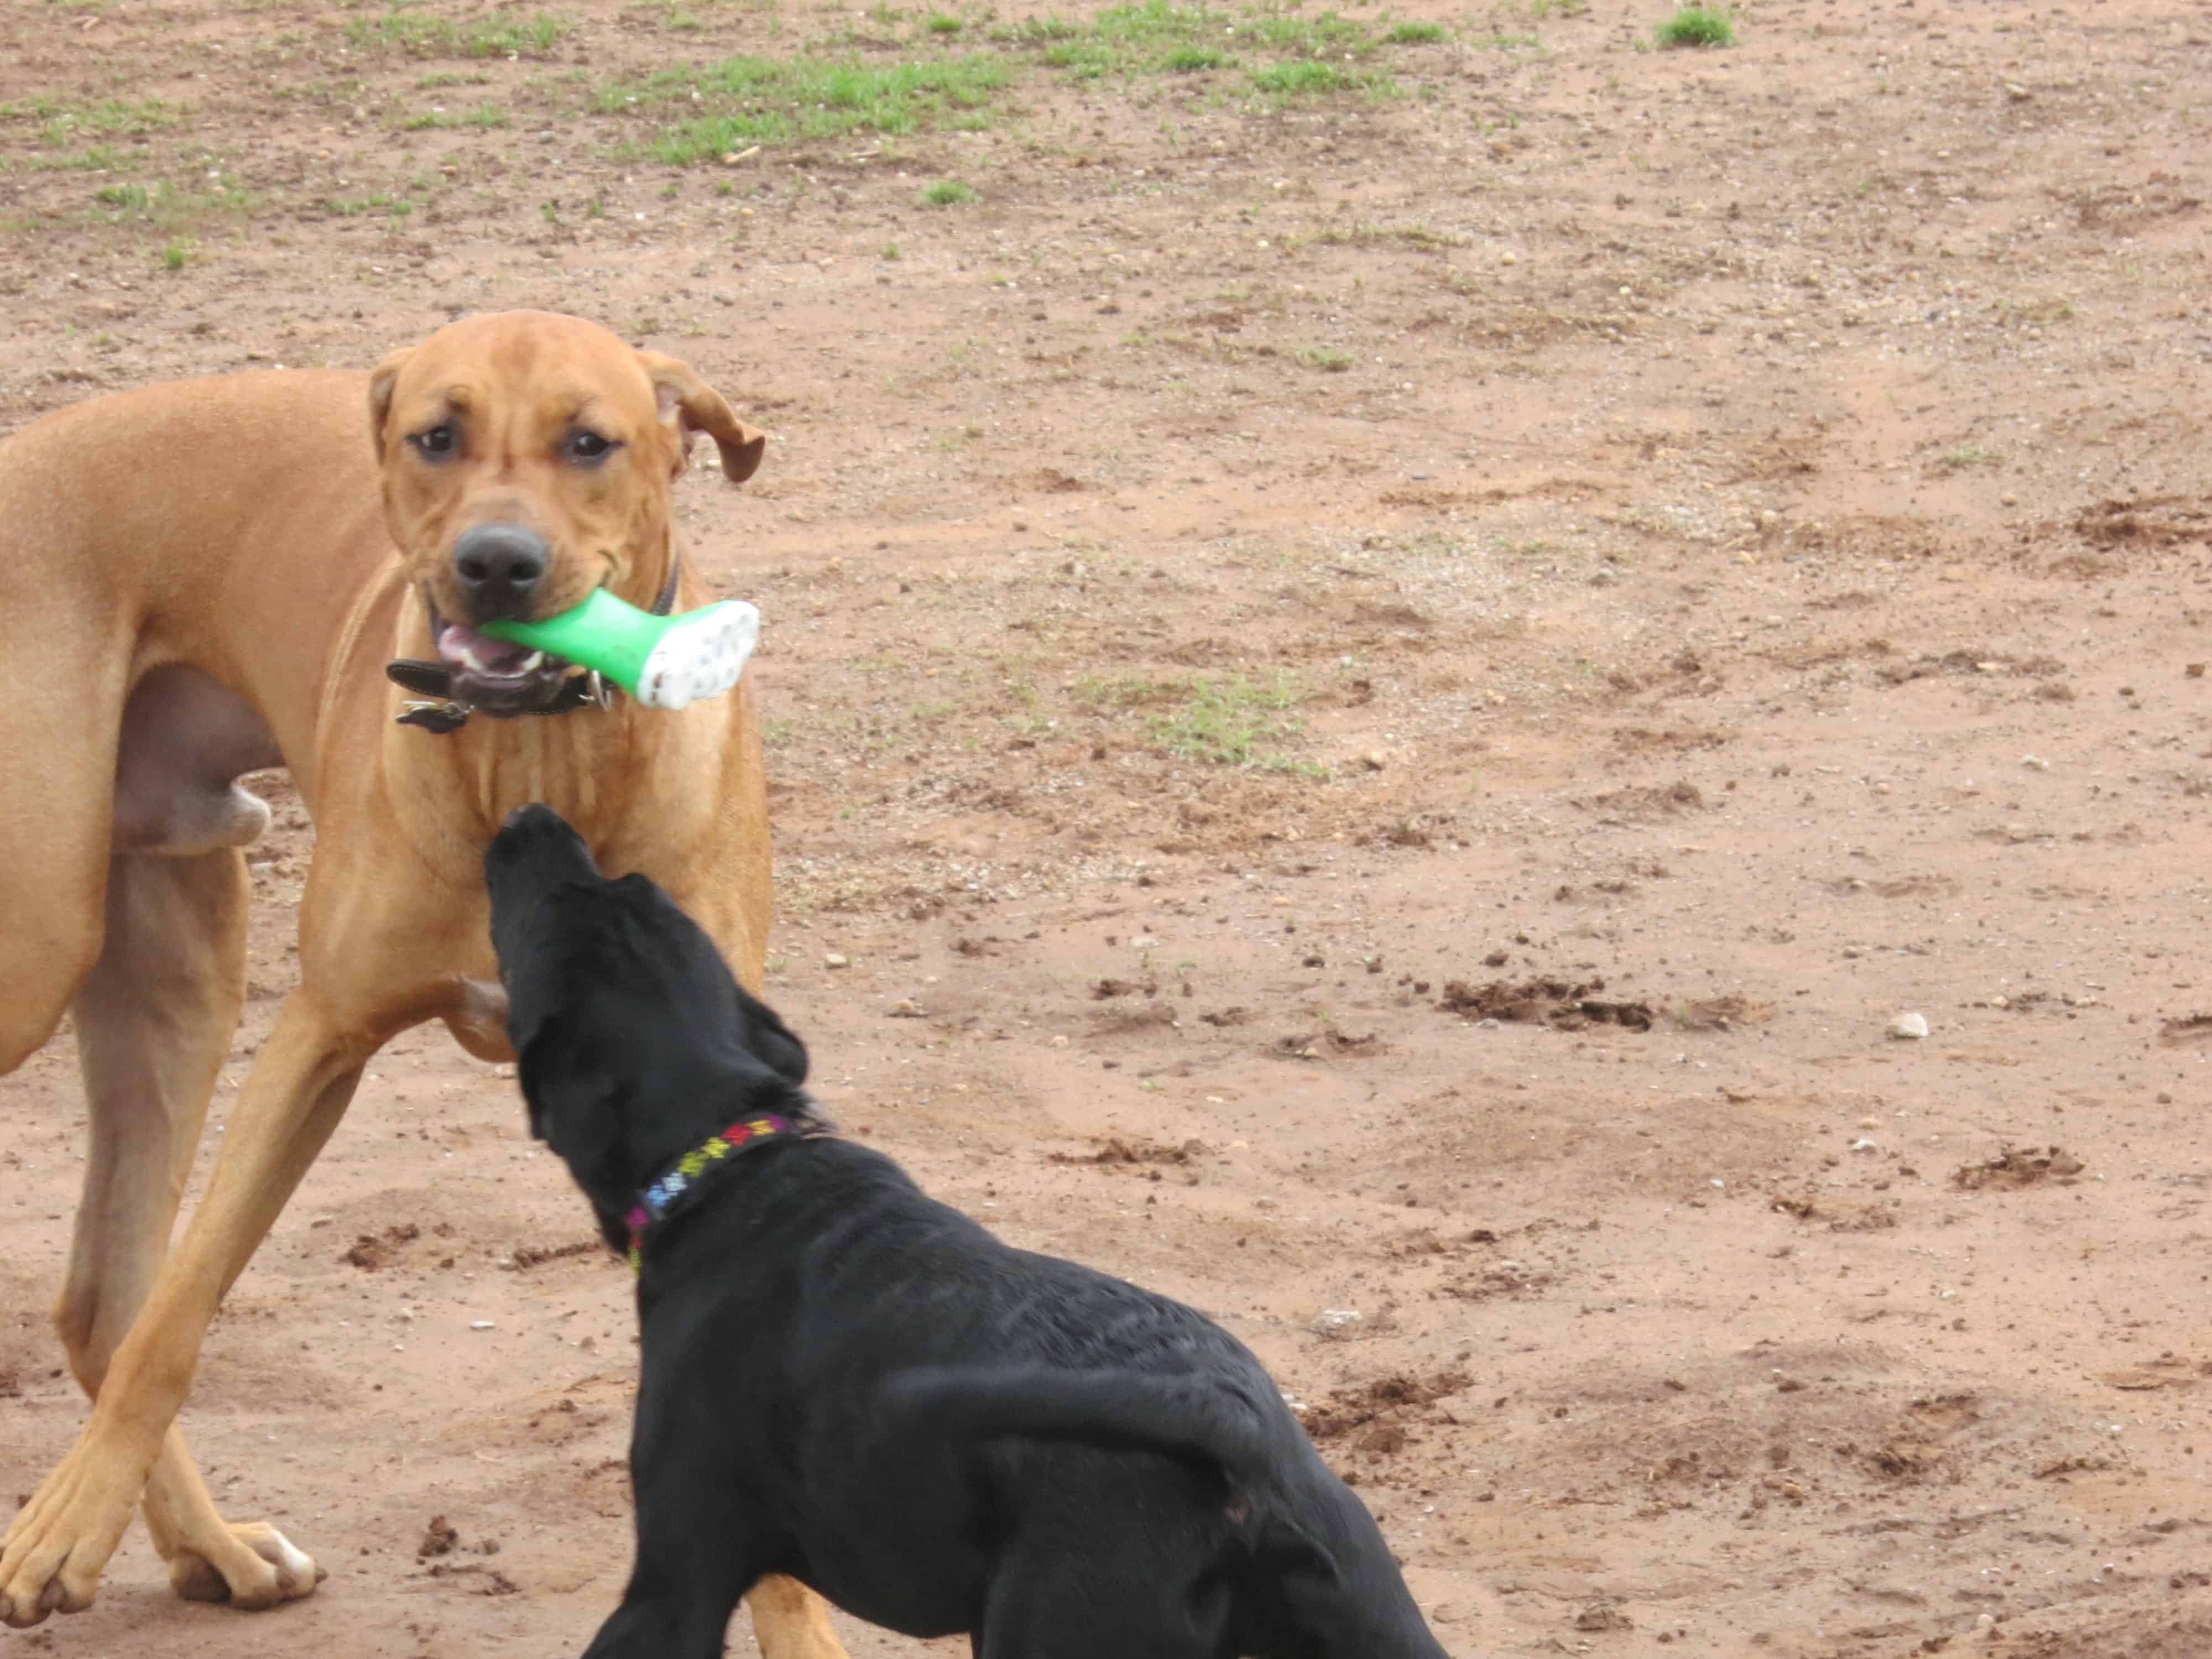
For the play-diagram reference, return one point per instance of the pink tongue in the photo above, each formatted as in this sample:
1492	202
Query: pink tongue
454	641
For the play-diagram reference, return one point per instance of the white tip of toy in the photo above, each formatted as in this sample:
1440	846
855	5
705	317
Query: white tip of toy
702	656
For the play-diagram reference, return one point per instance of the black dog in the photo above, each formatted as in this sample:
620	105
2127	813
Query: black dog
848	1382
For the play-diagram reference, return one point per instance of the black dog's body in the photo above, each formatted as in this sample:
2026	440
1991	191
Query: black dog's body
849	1382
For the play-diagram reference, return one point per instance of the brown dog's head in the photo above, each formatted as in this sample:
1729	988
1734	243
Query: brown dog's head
527	458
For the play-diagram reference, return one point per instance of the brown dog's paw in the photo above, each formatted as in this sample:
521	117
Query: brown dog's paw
262	1569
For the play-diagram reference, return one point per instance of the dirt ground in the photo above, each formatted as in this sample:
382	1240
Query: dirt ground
1376	699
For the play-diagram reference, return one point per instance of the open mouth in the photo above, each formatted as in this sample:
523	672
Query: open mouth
499	677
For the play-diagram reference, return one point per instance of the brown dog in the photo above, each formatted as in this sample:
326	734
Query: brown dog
203	578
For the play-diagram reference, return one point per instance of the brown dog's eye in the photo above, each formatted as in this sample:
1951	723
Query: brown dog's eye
582	446
437	441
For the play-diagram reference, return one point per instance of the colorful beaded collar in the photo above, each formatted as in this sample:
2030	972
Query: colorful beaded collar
680	1185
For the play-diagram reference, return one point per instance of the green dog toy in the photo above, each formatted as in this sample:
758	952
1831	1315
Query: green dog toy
664	662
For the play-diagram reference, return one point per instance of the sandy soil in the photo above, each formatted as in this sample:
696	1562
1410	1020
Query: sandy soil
1689	556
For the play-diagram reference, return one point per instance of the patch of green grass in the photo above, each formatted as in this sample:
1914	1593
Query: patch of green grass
1414	34
485	117
1301	77
1039	32
940	22
759	100
1230	722
1415	235
1220	720
948	192
420	36
1326	36
890	252
1968	455
384	202
166	208
1159	37
1123	39
176	256
62	119
1696	26
1324	358
100	158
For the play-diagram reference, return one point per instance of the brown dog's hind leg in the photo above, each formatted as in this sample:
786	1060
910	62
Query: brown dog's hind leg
154	1021
790	1621
60	1539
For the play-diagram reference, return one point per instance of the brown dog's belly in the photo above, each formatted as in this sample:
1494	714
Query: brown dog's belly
187	738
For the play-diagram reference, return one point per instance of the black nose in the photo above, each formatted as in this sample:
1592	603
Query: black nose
499	564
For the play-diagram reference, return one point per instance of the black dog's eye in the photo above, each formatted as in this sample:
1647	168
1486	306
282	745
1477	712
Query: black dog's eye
582	446
437	441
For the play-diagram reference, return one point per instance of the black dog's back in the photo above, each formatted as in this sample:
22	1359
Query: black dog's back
847	1381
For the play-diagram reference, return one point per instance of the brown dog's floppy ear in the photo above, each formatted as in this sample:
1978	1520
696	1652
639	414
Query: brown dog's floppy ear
380	396
699	408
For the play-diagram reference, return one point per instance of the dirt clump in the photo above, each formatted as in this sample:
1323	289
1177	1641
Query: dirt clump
372	1251
1563	1005
2017	1167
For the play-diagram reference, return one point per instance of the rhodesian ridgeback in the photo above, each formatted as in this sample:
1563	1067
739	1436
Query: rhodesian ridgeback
203	579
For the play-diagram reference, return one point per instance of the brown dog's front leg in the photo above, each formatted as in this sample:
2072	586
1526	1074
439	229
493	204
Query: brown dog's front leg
791	1621
61	1539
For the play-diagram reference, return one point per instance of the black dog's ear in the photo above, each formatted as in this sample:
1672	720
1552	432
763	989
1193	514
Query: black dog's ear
1284	1547
775	1043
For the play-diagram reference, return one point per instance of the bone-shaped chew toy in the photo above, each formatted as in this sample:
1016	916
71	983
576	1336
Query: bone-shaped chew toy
664	662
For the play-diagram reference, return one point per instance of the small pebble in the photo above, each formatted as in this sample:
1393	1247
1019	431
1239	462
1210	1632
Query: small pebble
1909	1025
836	959
480	1324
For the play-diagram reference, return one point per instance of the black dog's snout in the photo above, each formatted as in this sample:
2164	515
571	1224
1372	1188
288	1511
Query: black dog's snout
500	565
537	840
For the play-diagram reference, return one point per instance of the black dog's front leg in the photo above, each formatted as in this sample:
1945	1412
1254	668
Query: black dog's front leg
684	1588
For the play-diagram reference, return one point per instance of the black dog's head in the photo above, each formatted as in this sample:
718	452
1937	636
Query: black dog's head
633	1040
